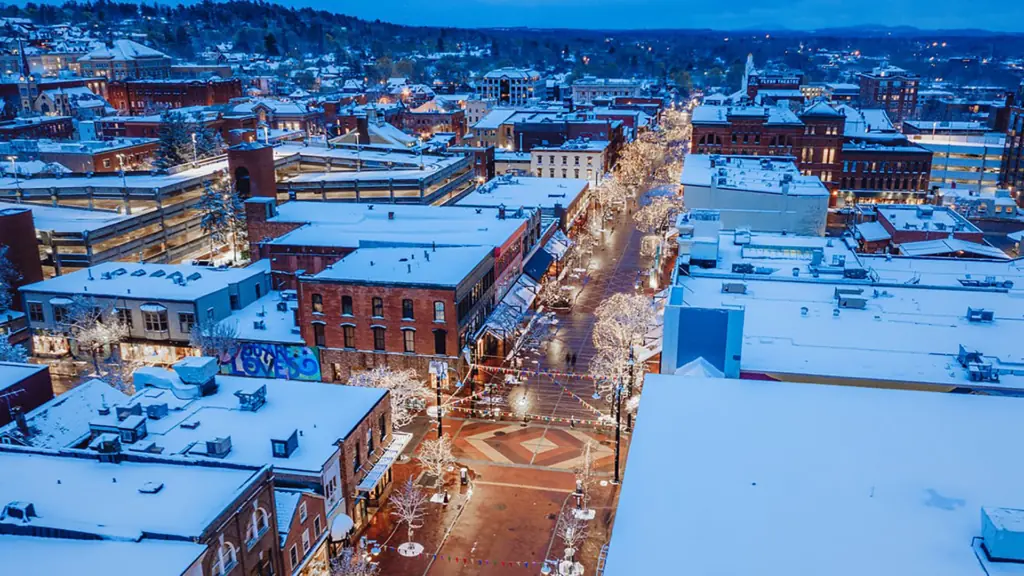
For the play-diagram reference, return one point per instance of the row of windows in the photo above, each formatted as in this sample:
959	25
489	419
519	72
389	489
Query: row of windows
348	334
883	183
293	552
377	307
565	173
153	321
885	166
565	160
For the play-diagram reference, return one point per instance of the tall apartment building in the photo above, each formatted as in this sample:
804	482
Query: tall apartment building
511	86
1013	152
892	89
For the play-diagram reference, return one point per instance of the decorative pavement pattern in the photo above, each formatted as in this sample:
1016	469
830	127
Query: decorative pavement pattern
541	446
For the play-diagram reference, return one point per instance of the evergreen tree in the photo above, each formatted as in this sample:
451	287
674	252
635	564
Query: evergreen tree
215	216
270	44
175	142
8	276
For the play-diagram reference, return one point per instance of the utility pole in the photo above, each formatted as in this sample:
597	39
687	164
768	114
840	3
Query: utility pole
631	364
439	431
618	427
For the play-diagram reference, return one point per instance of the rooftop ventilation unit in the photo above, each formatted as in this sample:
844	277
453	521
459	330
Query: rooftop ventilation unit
980	315
285	448
742	268
925	211
1002	532
252	400
734	288
151	487
22	511
156	411
218	447
282	306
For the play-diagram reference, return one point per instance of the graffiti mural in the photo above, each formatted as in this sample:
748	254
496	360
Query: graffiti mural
267	360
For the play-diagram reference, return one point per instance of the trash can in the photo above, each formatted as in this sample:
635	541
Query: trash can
464	476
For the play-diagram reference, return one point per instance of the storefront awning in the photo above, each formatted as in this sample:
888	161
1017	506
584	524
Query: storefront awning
153	307
558	245
538	265
513	307
399	440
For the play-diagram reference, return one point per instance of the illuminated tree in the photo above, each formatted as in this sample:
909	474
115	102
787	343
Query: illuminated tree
407	505
216	339
436	457
407	393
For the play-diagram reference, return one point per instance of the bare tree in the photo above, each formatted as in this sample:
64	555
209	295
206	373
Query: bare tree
407	393
407	505
352	562
94	329
216	339
436	456
573	532
585	475
12	352
118	373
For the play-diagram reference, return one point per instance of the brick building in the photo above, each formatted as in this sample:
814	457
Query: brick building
23	387
1013	152
907	224
433	117
52	127
892	89
124	59
233	127
888	168
147	96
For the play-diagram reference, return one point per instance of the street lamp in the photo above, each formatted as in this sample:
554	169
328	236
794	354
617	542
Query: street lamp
618	427
14	169
631	366
195	151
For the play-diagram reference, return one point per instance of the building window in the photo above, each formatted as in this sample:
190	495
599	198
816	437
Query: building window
348	331
293	554
357	459
346	305
369	440
259	527
407	313
409	340
302	512
305	541
60	314
226	560
186	320
319	338
382	423
378	338
316	527
440	341
35	312
318	304
155	320
438	311
377	306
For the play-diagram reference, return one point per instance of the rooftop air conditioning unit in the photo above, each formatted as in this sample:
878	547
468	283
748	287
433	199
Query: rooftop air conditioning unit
218	447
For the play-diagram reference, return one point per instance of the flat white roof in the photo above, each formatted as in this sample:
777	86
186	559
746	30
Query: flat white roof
780	479
923	217
709	114
61	219
28	555
323	413
132	181
525	191
86	495
13	372
64	420
278	323
445	266
904	334
155	284
751	174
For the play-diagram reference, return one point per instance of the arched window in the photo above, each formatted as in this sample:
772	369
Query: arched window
225	560
318	303
258	526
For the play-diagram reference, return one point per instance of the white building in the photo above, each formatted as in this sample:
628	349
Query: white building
964	161
590	88
576	159
761	194
808	479
511	86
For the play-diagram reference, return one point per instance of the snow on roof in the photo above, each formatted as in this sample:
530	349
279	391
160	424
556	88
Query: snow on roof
528	191
275	106
133	182
809	479
904	334
28	555
366	225
322	413
909	217
514	73
578	144
123	50
819	108
445	266
750	174
12	373
872	232
495	118
864	120
164	282
286	501
67	220
86	495
951	246
278	324
64	420
707	114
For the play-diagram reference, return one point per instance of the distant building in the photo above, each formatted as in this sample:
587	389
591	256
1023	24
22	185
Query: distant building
52	127
511	86
590	88
892	89
577	159
84	156
126	59
1013	154
147	96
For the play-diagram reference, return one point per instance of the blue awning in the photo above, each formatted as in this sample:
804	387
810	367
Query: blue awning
538	265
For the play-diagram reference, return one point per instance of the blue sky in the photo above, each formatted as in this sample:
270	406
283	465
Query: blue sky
735	14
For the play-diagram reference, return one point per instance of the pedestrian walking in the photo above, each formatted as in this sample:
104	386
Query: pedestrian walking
574	361
568	359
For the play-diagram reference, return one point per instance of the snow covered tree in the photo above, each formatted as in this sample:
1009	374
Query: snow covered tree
572	530
8	276
352	562
657	215
216	339
215	217
407	505
623	320
94	329
408	394
118	373
12	352
436	457
175	142
610	193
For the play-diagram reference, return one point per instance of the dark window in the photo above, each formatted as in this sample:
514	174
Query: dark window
124	315
357	460
369	440
440	341
60	314
259	291
293	554
346	305
377	305
233	301
378	338
407	309
318	303
409	340
35	312
155	321
319	338
349	332
382	422
186	320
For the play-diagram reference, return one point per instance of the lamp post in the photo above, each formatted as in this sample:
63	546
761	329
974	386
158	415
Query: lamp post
618	427
195	151
631	365
14	169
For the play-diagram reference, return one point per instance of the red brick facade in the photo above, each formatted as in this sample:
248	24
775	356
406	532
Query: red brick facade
353	471
895	92
234	526
307	524
146	96
29	393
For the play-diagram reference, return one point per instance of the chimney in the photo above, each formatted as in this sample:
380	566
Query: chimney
391	215
501	212
19	419
362	129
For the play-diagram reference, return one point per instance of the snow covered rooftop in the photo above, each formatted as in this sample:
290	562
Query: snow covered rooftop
64	220
144	183
943	246
105	499
320	413
64	421
446	266
806	479
911	217
708	114
863	121
278	324
12	373
771	176
526	191
28	555
123	50
164	282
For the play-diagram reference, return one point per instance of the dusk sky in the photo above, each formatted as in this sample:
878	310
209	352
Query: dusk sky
737	14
